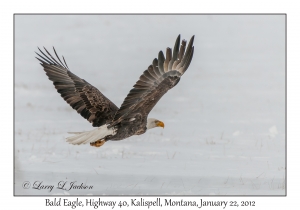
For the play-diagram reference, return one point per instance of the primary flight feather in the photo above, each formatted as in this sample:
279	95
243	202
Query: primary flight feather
132	117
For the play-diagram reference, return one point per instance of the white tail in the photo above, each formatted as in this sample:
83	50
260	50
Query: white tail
90	136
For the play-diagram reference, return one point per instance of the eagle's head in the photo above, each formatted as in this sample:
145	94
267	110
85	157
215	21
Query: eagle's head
153	123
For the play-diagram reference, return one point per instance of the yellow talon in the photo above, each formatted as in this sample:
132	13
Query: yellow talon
98	143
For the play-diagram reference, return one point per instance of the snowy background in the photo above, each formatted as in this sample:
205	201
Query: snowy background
224	122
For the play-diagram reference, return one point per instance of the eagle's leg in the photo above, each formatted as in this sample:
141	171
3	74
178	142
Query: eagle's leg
98	143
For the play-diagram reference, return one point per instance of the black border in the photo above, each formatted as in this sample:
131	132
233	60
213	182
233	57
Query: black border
285	14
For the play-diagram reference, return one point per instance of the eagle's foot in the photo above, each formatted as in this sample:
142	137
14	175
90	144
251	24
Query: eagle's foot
98	143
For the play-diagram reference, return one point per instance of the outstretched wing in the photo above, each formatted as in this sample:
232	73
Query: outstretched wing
87	100
162	75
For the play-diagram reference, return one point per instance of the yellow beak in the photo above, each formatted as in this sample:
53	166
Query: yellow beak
160	124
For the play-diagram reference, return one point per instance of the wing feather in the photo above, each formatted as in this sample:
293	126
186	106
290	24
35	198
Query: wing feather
151	87
161	60
180	55
168	58
155	68
87	100
152	72
188	53
175	53
58	57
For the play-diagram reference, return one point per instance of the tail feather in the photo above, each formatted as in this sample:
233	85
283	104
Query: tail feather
75	132
90	136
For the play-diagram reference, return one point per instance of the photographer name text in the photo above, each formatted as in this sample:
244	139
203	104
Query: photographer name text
62	185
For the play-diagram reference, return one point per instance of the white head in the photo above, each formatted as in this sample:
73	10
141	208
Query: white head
152	123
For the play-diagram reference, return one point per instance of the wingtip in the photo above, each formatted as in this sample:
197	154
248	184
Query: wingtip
193	37
191	42
177	40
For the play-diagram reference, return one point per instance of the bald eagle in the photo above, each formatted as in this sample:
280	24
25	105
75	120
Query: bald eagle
131	118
